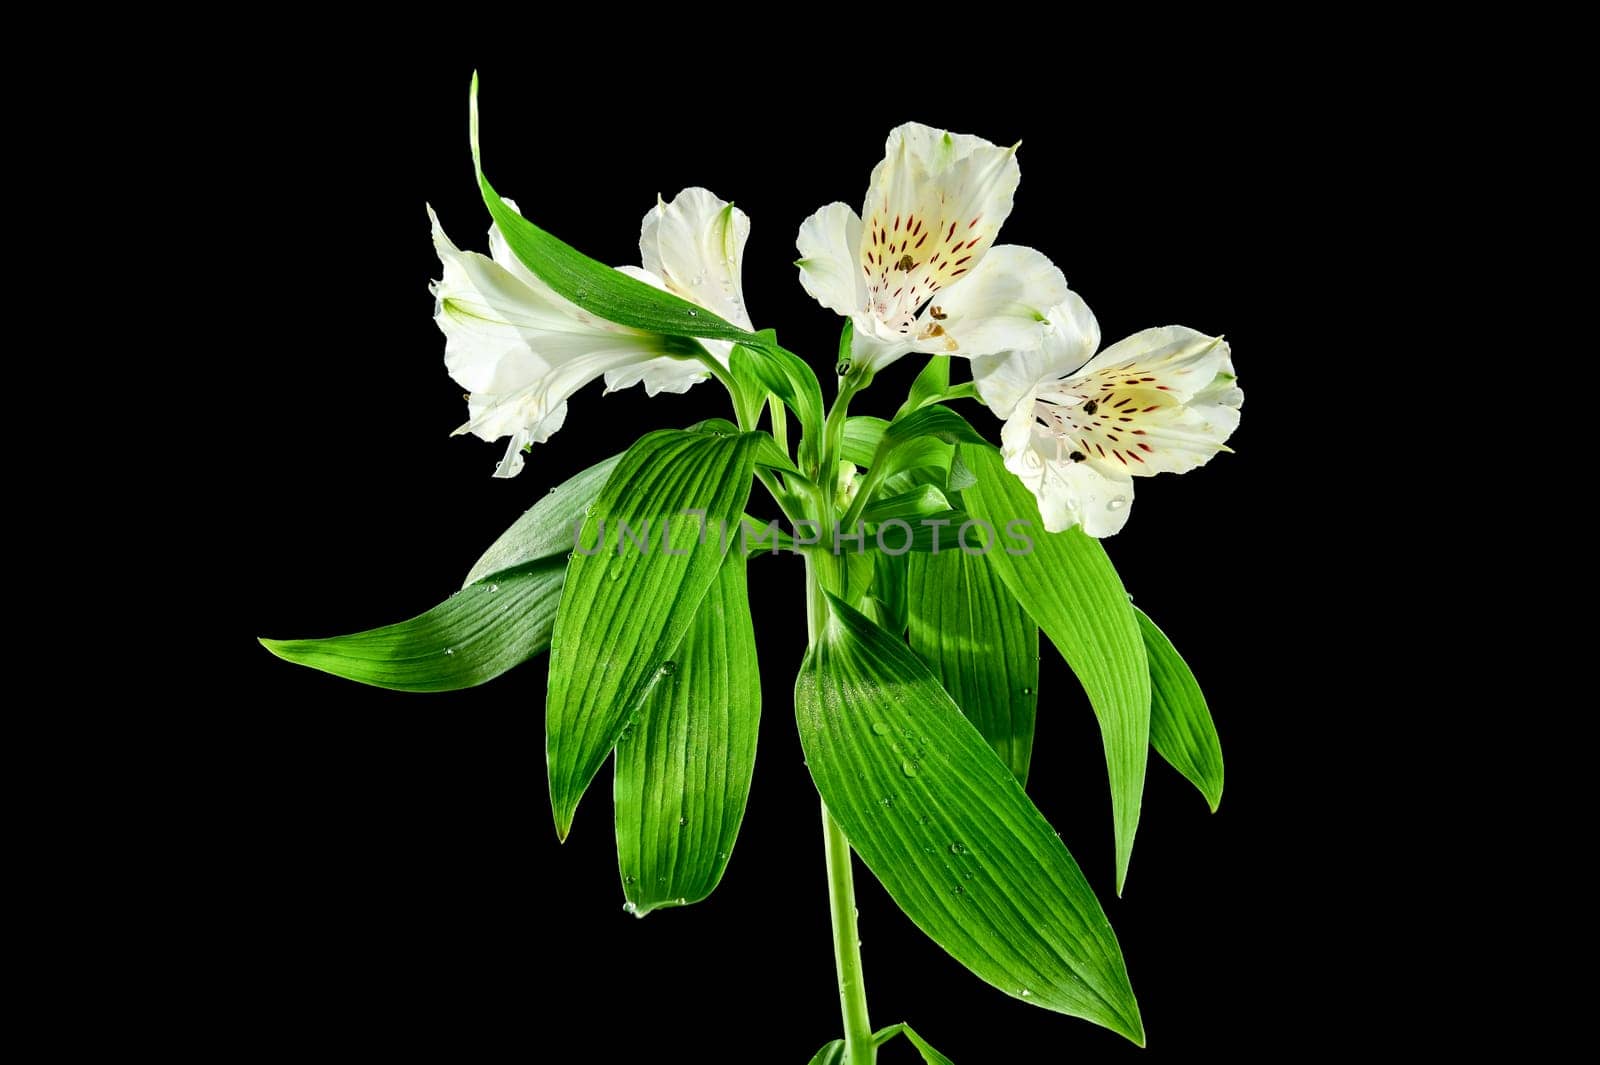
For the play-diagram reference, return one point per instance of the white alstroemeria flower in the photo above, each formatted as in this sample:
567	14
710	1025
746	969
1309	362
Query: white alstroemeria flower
923	272
1079	426
521	350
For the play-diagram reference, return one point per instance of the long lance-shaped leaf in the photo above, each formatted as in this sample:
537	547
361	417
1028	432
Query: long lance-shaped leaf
546	528
1070	589
597	288
475	635
683	767
946	828
627	603
966	624
1181	729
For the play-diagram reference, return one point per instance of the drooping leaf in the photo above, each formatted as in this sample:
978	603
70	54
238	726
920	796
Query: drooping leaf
547	528
626	606
981	644
604	292
1068	586
930	1056
474	636
949	832
1181	729
683	767
831	1054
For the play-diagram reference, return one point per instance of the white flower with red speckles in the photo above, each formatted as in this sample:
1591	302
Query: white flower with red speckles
1079	426
922	272
522	350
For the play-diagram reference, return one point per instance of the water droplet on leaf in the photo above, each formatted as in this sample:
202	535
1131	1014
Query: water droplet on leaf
449	650
958	847
668	668
880	728
683	822
909	768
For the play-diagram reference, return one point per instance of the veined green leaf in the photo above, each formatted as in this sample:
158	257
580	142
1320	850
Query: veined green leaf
889	590
597	288
626	606
920	502
862	435
1181	729
1070	589
922	534
946	828
768	453
930	384
786	376
547	528
475	635
982	646
683	767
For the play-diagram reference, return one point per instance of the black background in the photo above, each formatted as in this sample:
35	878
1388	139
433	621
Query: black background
391	878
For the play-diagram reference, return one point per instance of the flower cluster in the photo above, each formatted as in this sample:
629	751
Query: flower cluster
917	270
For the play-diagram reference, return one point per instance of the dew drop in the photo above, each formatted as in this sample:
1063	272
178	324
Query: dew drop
668	668
493	588
1026	993
1027	691
958	847
888	800
682	901
683	822
1117	503
449	650
959	890
909	768
629	879
879	728
843	368
628	907
551	492
694	313
924	819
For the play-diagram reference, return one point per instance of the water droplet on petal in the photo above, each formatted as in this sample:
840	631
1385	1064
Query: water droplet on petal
1117	503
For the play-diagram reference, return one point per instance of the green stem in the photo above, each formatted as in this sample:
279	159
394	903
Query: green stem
860	1049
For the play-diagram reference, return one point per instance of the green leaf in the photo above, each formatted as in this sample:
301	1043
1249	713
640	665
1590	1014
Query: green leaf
930	1056
831	1054
918	503
1181	729
946	828
683	767
930	384
625	609
982	646
786	376
862	435
933	530
597	288
475	635
547	528
889	590
768	453
1070	589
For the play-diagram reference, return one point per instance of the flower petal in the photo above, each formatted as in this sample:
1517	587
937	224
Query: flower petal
520	349
1151	403
1070	492
668	373
933	209
828	244
696	244
1002	307
1070	337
